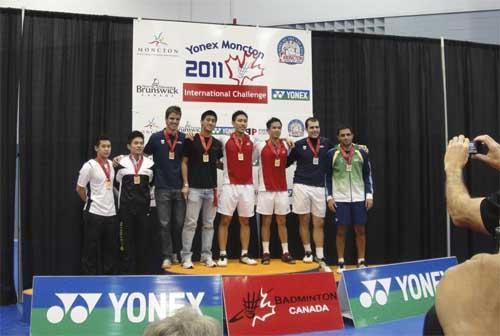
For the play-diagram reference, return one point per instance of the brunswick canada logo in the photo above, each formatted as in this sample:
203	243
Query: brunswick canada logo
256	307
79	313
157	90
243	69
380	295
290	50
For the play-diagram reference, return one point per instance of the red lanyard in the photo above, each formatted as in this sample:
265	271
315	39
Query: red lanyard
206	147
105	167
347	157
167	139
137	166
238	142
275	148
316	150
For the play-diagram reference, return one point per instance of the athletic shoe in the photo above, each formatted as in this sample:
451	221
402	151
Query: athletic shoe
166	263
308	257
362	264
245	259
209	262
266	259
287	258
323	267
222	262
175	259
340	268
188	264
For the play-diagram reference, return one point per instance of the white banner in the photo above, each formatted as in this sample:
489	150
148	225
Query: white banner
264	71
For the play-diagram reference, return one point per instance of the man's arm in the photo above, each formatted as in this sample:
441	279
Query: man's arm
83	180
327	166
292	157
148	149
185	179
464	210
82	192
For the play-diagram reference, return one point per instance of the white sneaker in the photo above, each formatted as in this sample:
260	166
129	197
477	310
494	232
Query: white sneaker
222	262
209	262
166	263
308	257
245	259
188	264
323	267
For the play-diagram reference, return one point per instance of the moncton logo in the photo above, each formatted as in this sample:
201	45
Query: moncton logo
296	128
79	313
157	46
256	307
290	50
380	295
290	94
158	40
157	90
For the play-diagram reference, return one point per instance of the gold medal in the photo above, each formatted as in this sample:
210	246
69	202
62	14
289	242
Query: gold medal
137	179
206	158
277	162
171	155
240	157
108	184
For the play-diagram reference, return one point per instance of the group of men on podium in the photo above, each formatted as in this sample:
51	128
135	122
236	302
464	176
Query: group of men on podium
183	169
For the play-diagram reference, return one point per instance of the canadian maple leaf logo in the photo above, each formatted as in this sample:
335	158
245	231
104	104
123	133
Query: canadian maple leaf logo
242	69
266	308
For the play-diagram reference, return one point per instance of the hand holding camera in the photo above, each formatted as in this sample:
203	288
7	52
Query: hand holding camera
483	148
488	151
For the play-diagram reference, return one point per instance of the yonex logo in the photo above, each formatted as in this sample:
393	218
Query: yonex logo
78	314
380	296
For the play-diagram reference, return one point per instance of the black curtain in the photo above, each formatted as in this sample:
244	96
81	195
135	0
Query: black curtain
76	83
10	35
390	90
473	92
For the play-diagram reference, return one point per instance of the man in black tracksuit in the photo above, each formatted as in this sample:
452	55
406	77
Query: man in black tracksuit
135	174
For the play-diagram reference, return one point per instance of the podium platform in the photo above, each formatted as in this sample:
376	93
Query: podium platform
234	267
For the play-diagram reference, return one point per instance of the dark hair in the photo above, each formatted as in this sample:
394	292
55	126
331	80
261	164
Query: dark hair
133	135
311	119
172	109
343	126
237	113
271	121
208	113
100	138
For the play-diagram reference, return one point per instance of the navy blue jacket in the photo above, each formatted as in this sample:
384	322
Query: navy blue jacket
167	173
307	173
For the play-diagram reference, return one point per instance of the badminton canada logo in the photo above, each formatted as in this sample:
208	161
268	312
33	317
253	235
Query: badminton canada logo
257	307
79	313
379	294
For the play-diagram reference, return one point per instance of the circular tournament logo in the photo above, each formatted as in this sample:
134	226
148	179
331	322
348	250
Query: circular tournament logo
290	50
296	128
